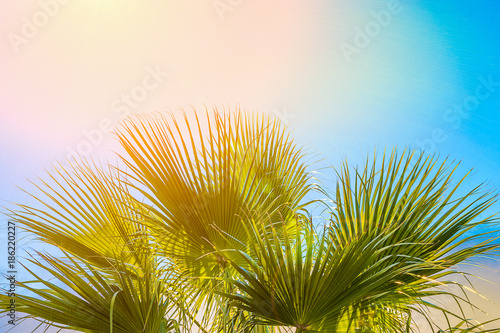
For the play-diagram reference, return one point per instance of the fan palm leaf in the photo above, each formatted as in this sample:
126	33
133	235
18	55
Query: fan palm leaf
85	210
87	299
199	185
437	222
305	282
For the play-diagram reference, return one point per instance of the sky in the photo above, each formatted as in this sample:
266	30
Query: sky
347	77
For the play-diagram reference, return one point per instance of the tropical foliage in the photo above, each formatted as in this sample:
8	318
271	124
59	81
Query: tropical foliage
208	225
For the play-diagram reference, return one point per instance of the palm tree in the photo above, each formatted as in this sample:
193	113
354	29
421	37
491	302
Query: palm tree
206	228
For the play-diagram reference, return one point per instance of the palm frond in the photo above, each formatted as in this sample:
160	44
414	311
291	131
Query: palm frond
87	212
306	282
438	223
84	298
199	185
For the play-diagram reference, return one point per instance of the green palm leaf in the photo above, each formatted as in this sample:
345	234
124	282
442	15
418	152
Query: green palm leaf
87	299
307	283
87	212
198	186
439	223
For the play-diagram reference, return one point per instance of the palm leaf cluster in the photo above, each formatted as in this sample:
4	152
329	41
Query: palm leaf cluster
206	228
